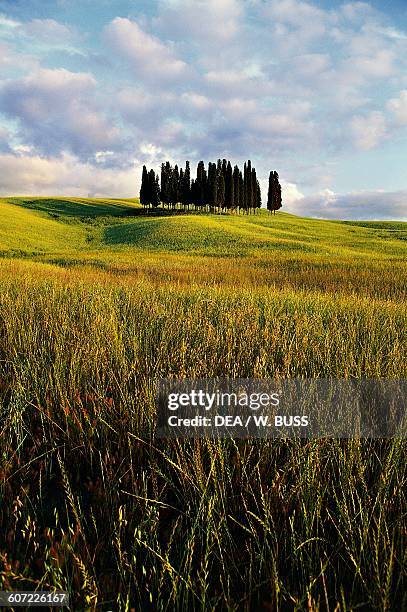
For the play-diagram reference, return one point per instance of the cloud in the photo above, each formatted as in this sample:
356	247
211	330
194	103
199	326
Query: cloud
368	131
8	24
378	65
56	110
398	106
375	205
355	11
296	85
298	14
12	61
48	31
213	21
4	139
147	56
64	175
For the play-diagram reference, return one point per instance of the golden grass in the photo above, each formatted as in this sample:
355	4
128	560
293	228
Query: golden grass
92	502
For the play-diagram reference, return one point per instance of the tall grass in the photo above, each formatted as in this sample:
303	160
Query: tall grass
92	502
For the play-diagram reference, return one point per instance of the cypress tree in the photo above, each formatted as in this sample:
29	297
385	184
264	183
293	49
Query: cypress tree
274	201
193	192
241	191
144	187
186	186
175	186
236	187
270	192
154	189
229	186
181	186
201	184
248	186
258	192
212	185
245	191
278	199
165	193
254	193
221	190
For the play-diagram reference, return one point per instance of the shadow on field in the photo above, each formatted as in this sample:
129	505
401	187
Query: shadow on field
130	233
75	208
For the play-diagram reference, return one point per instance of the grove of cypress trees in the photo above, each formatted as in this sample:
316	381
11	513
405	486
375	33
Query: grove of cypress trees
220	187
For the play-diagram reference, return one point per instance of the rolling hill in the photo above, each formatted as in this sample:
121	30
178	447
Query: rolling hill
75	228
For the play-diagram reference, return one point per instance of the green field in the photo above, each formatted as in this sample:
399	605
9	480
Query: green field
98	301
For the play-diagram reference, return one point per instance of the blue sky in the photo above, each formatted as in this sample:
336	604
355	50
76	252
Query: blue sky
89	91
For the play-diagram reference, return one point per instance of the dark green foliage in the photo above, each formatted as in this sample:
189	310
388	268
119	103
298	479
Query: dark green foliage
153	189
274	201
144	200
258	192
201	184
186	186
212	185
241	191
218	187
236	187
221	190
150	189
165	183
229	191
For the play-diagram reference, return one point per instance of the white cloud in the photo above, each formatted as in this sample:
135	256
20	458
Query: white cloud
298	14
368	131
398	106
12	61
291	194
8	24
285	82
356	10
102	156
48	31
4	139
213	21
146	55
56	110
378	65
65	175
376	205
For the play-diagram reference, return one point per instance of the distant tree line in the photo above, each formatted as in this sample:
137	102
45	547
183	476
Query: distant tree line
217	188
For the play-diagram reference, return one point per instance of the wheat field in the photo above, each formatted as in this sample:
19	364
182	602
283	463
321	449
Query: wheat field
97	302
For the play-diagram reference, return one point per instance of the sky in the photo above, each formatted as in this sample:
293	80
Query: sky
317	90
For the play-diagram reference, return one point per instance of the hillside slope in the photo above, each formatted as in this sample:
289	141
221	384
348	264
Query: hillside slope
80	227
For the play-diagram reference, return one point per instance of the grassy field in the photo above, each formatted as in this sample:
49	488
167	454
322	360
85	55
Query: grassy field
96	303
